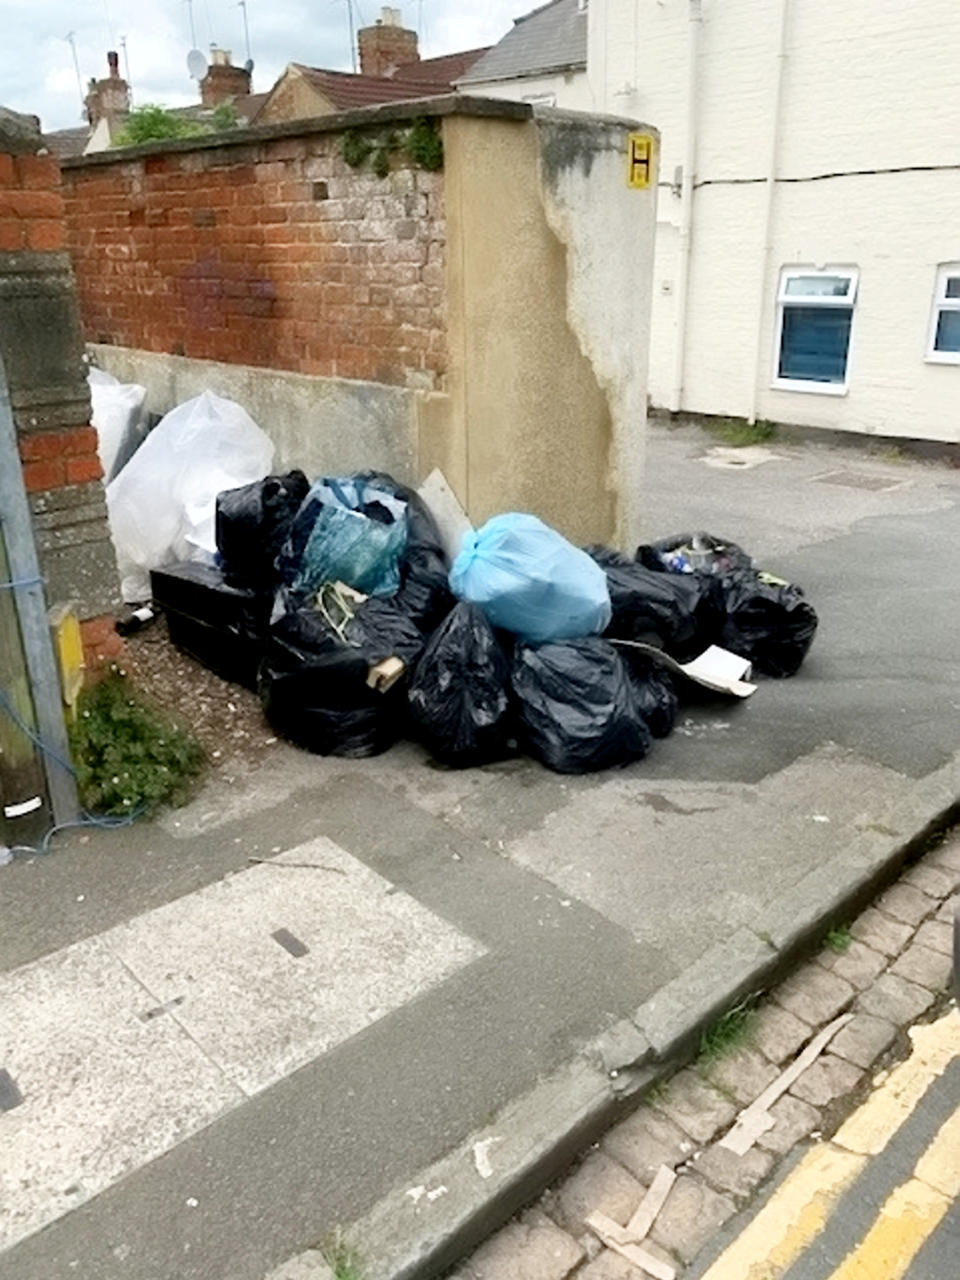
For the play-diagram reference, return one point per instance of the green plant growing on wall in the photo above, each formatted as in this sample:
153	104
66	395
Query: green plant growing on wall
152	123
129	758
421	143
424	145
225	117
356	148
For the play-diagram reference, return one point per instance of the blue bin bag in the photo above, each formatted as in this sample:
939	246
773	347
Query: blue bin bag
347	545
528	579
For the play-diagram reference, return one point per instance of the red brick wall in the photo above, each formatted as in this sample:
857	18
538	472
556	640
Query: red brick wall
275	254
31	205
58	447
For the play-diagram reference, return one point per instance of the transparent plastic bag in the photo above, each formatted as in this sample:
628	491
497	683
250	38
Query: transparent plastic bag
162	504
530	580
117	414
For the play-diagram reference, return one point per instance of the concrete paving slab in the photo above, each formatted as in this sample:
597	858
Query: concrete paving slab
273	967
105	1086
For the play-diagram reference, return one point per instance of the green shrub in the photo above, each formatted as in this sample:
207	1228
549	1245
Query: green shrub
151	123
128	757
424	145
356	148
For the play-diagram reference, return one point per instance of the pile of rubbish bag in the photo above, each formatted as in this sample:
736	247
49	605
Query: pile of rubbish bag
336	602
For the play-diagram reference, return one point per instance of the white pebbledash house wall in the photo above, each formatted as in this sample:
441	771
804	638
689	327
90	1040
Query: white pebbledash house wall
808	268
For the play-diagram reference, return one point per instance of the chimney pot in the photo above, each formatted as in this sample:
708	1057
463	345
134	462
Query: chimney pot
113	62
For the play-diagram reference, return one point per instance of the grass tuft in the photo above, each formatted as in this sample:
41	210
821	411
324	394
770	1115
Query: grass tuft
340	1257
839	938
728	1032
739	434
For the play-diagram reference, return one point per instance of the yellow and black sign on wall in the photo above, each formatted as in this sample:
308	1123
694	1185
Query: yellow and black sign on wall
641	160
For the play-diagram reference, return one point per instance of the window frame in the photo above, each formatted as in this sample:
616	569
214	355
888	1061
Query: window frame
784	300
945	271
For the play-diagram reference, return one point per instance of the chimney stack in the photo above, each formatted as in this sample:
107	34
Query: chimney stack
223	81
109	97
387	45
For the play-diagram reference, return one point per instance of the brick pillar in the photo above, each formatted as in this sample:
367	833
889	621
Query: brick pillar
42	349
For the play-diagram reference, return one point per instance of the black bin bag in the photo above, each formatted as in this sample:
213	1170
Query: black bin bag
459	697
655	691
673	612
760	617
313	681
768	621
218	623
577	706
252	524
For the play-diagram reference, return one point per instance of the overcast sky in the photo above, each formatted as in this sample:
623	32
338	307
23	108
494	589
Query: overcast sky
37	72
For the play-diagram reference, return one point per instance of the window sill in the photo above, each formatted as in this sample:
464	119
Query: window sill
810	388
942	357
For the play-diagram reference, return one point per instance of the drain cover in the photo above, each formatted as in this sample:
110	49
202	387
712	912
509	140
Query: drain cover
859	480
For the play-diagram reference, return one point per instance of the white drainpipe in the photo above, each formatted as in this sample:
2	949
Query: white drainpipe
686	199
761	356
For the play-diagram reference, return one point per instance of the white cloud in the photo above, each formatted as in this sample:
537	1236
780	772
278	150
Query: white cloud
36	64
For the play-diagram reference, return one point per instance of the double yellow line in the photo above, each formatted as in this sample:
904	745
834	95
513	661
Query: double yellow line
802	1206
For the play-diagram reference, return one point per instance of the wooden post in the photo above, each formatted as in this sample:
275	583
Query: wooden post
31	609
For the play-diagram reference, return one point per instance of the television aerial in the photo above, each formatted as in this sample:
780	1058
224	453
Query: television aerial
196	64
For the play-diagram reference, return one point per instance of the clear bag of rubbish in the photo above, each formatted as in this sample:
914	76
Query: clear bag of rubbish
530	580
117	413
348	530
163	503
577	706
702	553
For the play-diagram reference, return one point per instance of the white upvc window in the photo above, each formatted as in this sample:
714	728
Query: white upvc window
943	345
814	318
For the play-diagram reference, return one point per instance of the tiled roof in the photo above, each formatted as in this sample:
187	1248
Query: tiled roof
551	38
442	71
346	90
67	143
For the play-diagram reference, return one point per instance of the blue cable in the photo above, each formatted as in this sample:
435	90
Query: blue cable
38	742
14	583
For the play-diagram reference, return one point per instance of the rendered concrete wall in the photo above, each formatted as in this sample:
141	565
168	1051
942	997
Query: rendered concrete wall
324	425
549	258
866	176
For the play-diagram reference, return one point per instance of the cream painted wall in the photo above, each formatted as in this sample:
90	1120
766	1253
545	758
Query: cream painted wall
546	246
868	84
571	90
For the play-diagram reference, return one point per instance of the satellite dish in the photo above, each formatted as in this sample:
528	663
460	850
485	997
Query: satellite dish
196	64
248	66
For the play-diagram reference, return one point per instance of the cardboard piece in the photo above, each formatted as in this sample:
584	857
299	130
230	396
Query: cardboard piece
445	507
619	1240
716	669
756	1119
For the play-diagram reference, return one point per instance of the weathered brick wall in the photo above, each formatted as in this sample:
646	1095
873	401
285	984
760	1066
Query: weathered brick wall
42	350
274	253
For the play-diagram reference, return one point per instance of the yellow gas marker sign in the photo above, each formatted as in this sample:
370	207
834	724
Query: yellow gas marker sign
799	1210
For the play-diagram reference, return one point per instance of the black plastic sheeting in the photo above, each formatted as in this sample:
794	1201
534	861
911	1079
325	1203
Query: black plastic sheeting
252	524
222	626
577	706
313	683
459	697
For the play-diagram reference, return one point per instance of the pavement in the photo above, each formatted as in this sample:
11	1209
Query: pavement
214	1061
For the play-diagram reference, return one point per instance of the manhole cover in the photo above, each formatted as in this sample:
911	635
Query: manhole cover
859	480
